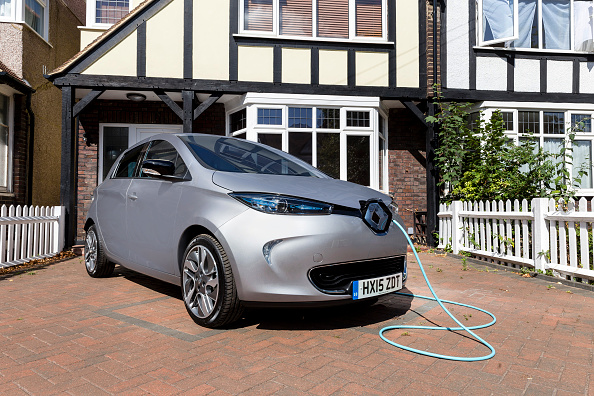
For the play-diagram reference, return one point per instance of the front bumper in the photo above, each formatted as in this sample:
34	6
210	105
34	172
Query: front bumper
307	243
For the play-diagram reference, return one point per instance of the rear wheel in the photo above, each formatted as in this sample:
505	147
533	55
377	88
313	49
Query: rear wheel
208	286
95	260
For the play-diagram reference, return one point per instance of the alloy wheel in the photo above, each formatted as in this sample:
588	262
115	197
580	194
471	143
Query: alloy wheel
200	281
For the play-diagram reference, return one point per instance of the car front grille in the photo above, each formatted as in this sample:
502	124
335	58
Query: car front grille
338	278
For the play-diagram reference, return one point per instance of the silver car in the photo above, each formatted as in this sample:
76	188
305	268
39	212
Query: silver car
238	224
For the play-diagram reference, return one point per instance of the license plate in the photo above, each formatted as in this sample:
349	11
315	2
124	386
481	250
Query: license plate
377	286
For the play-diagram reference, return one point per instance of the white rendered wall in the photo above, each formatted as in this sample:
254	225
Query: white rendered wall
587	77
559	76
491	74
527	75
457	45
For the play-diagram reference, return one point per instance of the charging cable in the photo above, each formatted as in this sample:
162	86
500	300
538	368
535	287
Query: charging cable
440	302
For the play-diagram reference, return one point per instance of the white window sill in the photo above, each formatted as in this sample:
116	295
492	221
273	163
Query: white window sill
7	194
534	50
319	39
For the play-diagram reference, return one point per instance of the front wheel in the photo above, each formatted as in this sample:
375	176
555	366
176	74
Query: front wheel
96	262
208	286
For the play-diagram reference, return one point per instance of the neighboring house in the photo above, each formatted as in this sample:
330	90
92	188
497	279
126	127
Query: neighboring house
533	60
35	36
342	84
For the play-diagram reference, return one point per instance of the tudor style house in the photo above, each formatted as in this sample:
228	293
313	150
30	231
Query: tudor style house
342	84
35	35
531	59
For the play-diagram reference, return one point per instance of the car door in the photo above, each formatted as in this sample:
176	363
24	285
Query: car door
111	204
151	208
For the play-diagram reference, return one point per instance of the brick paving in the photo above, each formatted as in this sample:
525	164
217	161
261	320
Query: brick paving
62	332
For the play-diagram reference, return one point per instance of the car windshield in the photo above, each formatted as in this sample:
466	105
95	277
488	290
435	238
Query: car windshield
236	155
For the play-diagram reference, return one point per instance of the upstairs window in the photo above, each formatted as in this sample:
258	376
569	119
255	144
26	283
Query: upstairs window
111	11
339	19
34	13
537	24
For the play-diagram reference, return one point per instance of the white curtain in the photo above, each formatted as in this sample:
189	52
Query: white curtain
582	15
498	19
582	155
5	7
556	24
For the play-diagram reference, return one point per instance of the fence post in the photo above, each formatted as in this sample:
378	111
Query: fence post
59	232
457	231
540	233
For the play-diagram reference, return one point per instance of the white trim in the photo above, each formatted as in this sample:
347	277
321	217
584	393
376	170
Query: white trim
8	92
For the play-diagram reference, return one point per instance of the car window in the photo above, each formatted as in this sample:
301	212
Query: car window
128	162
235	155
163	150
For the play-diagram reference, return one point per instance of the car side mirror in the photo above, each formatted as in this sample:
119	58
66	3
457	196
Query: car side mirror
161	169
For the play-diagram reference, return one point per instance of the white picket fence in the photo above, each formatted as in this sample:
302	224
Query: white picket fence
28	233
542	234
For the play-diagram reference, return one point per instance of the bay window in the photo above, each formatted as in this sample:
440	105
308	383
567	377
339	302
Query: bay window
346	143
34	13
551	127
537	24
333	19
5	142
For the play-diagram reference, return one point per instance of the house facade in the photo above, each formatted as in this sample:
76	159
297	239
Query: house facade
341	84
533	60
35	37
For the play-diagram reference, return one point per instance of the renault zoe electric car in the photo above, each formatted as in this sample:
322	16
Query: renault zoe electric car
238	223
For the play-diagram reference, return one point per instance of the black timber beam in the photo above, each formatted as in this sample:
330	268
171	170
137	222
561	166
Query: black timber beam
169	102
415	110
228	87
188	98
206	104
431	174
67	180
84	102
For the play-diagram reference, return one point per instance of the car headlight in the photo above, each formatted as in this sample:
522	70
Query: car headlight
279	204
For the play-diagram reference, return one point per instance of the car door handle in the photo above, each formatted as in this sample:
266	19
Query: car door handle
133	196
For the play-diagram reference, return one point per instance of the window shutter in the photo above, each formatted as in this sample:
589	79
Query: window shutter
296	17
369	18
258	15
333	18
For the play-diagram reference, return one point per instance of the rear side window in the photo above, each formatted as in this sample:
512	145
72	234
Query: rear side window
128	163
163	150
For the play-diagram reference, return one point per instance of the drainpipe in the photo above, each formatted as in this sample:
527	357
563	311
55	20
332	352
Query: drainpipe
31	146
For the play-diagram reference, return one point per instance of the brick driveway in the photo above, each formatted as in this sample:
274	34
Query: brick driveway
64	332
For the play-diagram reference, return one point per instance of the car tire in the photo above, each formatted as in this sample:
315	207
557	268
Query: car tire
96	263
208	286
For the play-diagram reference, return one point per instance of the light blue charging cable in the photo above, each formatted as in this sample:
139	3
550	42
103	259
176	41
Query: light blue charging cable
440	302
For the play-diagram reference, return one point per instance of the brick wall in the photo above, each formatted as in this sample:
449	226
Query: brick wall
406	150
126	112
19	155
430	49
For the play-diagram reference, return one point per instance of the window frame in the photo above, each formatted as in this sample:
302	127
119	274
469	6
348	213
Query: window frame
9	188
375	115
515	135
18	16
482	44
91	21
275	33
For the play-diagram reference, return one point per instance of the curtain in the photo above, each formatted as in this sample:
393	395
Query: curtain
368	18
582	160
582	16
333	18
258	15
296	17
5	8
555	24
498	19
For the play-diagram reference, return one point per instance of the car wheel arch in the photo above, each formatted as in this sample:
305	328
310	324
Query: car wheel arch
189	233
88	224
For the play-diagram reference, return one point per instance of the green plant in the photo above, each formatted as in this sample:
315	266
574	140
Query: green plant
464	265
465	253
477	161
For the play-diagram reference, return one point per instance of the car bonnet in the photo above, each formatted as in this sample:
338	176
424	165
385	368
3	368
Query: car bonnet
337	192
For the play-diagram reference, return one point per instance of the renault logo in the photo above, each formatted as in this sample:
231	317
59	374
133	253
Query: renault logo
376	215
